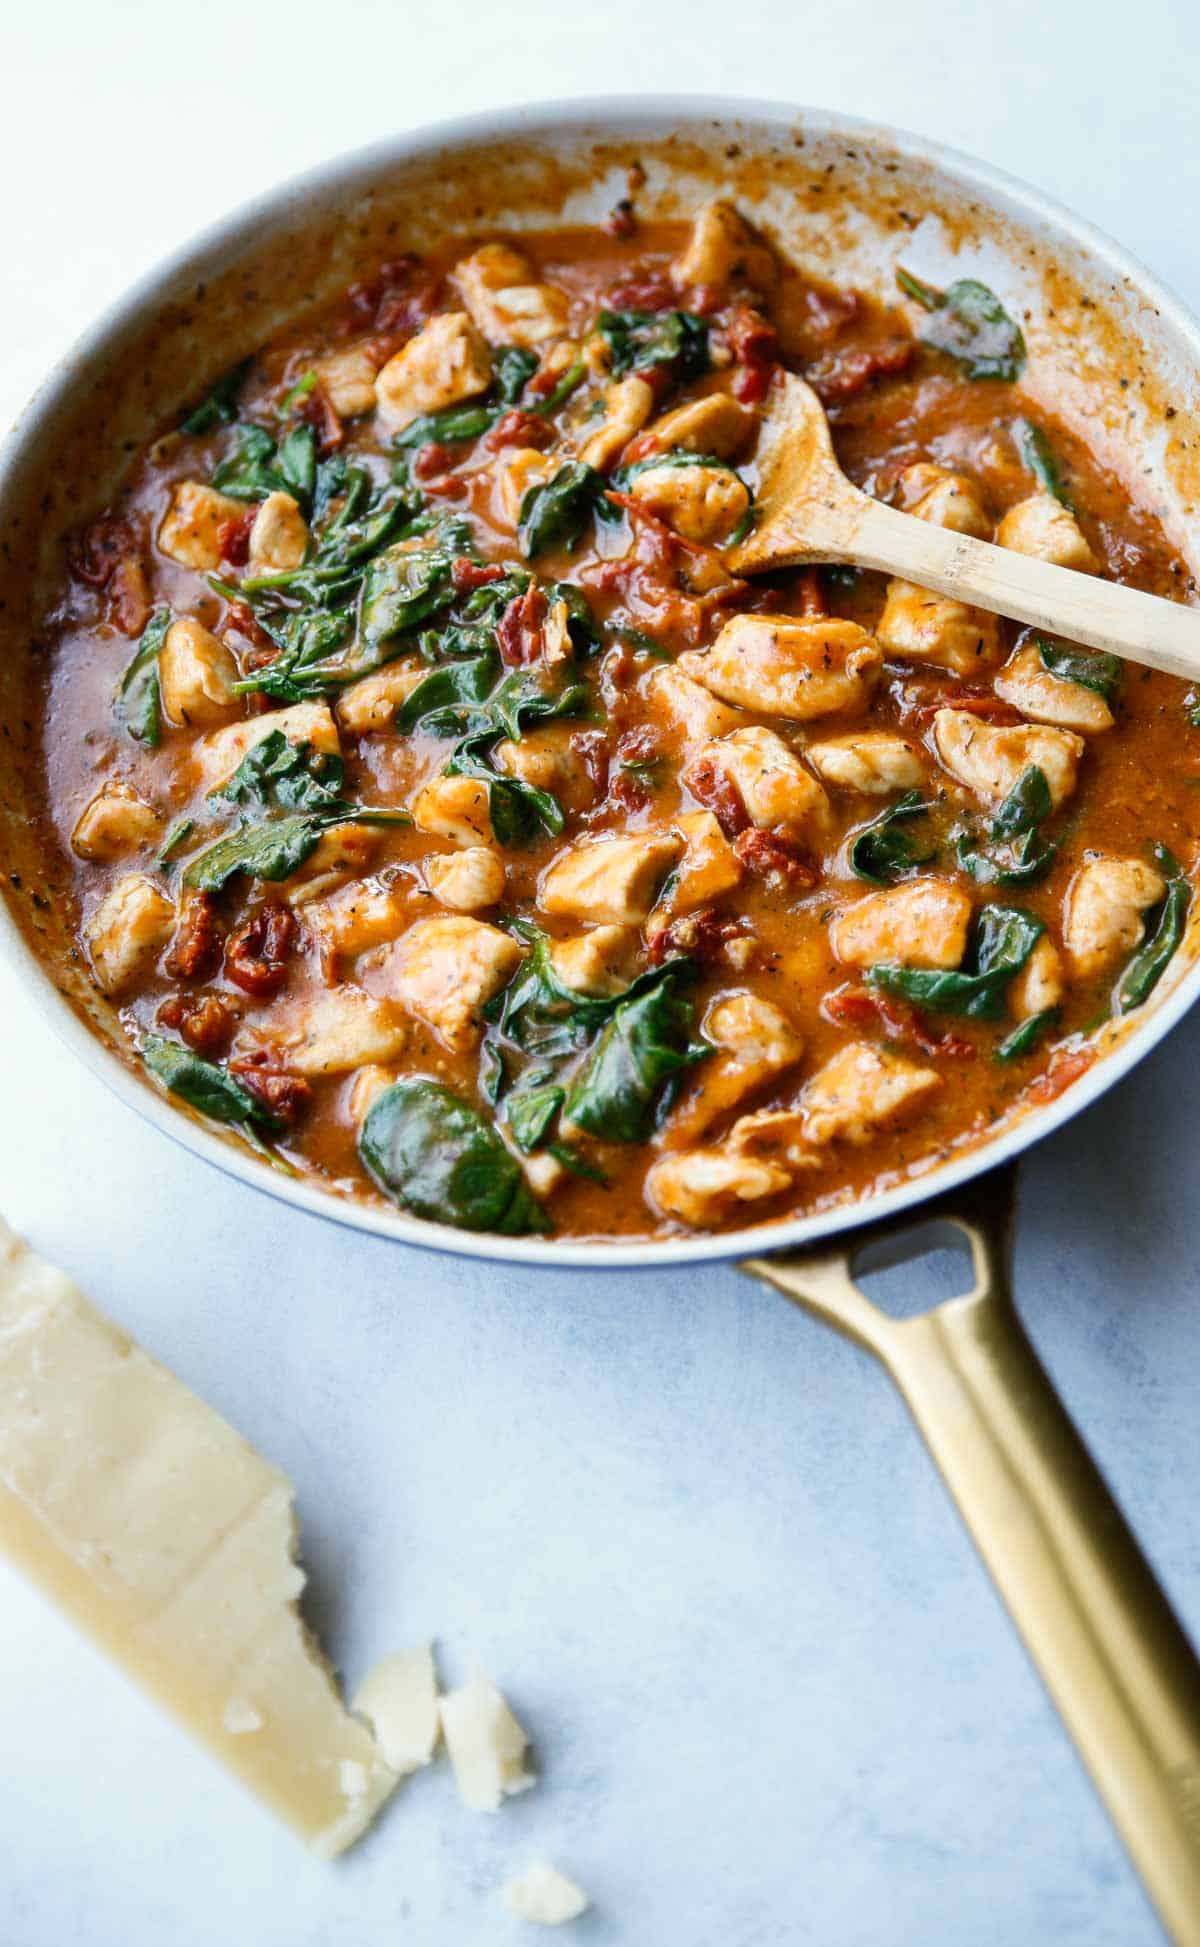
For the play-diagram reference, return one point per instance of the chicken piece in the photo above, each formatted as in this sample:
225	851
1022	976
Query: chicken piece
919	626
1040	984
445	970
194	525
1043	527
444	364
725	253
279	538
701	1187
342	852
944	499
356	919
718	424
116	822
708	869
456	808
627	406
919	923
875	762
366	1088
862	1089
332	1033
772	783
518	470
775	1135
679	701
703	503
615	880
543	1173
989	758
468	881
219	755
196	675
545	759
1031	688
127	931
600	963
1105	903
755	1044
789	668
507	303
348	380
371	703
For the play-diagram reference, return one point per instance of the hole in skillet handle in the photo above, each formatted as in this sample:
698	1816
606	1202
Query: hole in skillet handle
887	1271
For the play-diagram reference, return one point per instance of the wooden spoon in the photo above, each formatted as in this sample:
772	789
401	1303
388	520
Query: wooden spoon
810	512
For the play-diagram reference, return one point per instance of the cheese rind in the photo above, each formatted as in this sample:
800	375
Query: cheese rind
399	1699
487	1746
170	1541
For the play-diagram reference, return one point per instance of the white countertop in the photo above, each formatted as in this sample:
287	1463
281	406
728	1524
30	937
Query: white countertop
693	1536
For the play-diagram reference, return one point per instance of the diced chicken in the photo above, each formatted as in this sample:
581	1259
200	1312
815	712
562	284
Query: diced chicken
518	470
348	380
543	1173
301	723
371	703
446	969
755	1043
685	703
919	626
718	424
724	253
701	1187
457	808
337	1031
944	499
127	931
444	364
1043	527
279	537
614	880
627	406
116	822
342	852
1105	905
194	525
196	675
546	759
989	758
789	668
708	869
862	1089
600	963
703	503
366	1088
772	783
875	762
509	306
774	1135
1040	984
356	919
468	881
920	923
1031	688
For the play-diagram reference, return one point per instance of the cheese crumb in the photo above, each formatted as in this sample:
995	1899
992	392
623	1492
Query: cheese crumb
544	1895
487	1746
399	1700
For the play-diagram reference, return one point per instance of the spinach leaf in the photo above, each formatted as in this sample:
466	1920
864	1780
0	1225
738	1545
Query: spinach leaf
1191	704
555	515
205	1086
968	322
1026	1035
512	368
269	851
249	472
1091	667
539	1014
638	339
570	382
1004	938
276	774
401	588
1038	455
530	1112
1026	806
220	407
645	1043
883	851
1150	962
179	832
297	462
438	1157
137	704
445	428
445	689
1026	855
535	695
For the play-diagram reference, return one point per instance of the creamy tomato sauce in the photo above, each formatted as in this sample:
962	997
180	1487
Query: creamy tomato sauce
447	817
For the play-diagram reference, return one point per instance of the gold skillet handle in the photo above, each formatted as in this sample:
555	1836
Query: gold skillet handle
1113	1656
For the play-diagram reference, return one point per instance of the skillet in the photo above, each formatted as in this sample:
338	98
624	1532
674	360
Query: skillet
1112	352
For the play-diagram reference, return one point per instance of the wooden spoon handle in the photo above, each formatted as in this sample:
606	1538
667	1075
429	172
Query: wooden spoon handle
1103	614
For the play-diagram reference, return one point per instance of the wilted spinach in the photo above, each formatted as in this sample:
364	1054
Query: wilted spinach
555	514
643	1047
1092	668
1165	930
1025	855
206	1087
1026	1035
1038	455
277	775
637	339
438	1157
1002	941
884	850
138	704
258	466
220	406
968	321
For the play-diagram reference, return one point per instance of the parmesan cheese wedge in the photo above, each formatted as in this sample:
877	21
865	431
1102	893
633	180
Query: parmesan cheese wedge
170	1542
399	1699
487	1746
544	1895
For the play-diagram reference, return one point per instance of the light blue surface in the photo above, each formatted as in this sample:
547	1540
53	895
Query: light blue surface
692	1534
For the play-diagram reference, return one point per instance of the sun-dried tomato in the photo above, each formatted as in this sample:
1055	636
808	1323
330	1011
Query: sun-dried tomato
196	949
712	787
256	955
206	1021
432	460
843	374
233	537
94	553
866	1008
517	428
703	936
519	630
920	703
646	288
631	779
317	410
1065	1067
467	575
771	856
592	749
284	1095
755	347
621	220
128	597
